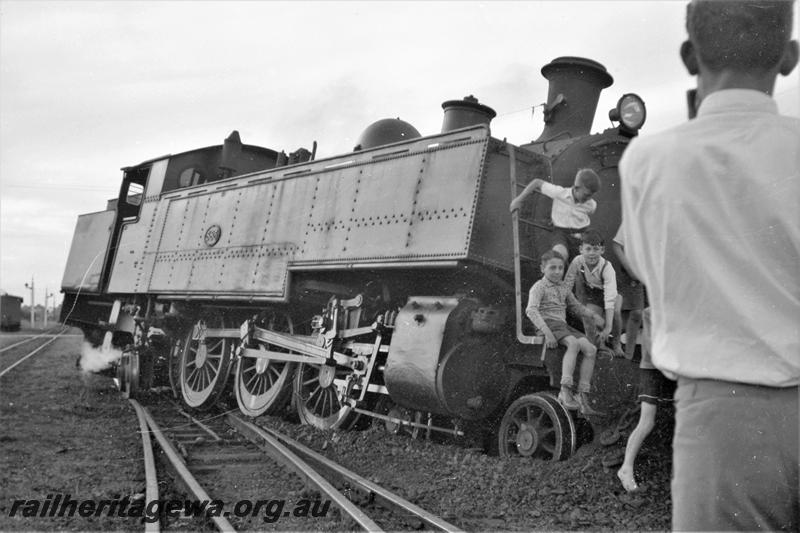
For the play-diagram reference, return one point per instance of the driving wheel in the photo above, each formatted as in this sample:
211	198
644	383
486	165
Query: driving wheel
318	399
536	425
264	386
205	364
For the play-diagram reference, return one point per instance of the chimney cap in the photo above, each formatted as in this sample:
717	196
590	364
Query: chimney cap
579	62
470	102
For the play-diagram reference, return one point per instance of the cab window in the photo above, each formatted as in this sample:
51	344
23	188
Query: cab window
132	191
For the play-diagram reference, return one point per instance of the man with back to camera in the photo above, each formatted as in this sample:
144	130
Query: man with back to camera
710	215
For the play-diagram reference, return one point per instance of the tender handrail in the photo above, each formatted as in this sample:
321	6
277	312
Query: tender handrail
515	220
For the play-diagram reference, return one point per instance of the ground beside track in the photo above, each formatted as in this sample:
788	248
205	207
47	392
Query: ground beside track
64	433
478	492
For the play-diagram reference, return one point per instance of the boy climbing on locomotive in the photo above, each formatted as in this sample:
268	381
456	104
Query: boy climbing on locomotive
571	210
595	283
548	301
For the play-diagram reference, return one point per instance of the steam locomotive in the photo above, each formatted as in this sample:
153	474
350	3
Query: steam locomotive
385	283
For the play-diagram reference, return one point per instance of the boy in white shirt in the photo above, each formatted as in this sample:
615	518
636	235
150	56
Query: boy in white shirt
572	207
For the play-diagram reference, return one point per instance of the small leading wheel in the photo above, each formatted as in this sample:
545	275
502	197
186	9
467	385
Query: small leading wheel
536	425
318	400
205	365
263	385
128	373
121	375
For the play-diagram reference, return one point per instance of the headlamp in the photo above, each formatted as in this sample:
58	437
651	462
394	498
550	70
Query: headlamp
630	112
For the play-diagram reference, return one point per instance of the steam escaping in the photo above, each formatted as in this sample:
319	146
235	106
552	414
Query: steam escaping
97	359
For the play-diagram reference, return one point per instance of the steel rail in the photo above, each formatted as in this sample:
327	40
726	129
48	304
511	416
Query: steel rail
282	454
151	486
384	496
30	338
199	424
199	493
8	369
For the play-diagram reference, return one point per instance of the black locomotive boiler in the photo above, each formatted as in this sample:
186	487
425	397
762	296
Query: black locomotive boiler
383	283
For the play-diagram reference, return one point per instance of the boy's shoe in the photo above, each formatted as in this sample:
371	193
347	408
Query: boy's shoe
566	399
585	408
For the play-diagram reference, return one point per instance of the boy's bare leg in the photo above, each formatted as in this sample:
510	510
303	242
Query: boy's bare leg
585	381
616	328
589	327
647	418
568	363
567	371
587	364
632	331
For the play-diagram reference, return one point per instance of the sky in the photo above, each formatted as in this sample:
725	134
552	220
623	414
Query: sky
87	88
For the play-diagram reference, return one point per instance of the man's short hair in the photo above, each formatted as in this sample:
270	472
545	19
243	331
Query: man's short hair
593	238
589	179
739	35
552	254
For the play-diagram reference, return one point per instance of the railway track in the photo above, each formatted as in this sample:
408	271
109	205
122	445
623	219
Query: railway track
372	493
262	479
12	352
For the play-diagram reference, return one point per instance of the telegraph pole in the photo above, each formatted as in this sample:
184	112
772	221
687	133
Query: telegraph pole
31	287
47	296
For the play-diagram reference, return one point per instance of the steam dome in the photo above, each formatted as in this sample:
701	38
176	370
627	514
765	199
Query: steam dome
386	131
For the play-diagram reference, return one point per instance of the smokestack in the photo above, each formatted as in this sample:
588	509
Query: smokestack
575	85
466	112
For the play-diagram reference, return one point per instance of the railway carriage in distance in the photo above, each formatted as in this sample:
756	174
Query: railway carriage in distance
384	283
10	312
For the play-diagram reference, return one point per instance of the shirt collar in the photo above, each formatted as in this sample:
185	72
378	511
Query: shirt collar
728	100
550	283
599	264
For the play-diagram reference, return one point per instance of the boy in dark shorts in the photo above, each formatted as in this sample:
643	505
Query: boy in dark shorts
595	283
654	387
572	207
548	301
633	295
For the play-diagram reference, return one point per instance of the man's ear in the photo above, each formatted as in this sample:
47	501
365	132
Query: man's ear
689	57
789	59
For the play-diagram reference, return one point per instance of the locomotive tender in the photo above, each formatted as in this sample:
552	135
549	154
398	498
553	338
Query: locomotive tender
386	282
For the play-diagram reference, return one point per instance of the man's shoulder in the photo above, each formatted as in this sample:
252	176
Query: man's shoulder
661	141
657	149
